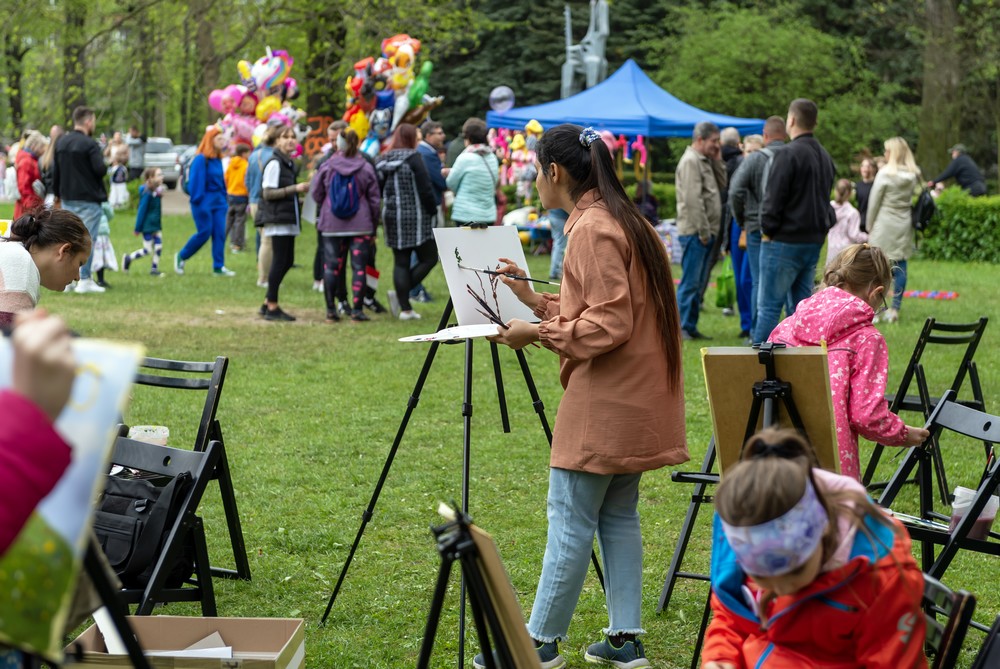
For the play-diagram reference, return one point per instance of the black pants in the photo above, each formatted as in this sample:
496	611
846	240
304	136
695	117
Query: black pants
404	278
336	251
283	255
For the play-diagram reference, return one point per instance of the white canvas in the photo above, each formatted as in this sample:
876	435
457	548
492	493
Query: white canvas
481	249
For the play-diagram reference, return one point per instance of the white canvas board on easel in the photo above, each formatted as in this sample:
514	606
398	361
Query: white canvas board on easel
479	249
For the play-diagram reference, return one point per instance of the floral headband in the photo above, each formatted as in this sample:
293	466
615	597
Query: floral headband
588	137
781	545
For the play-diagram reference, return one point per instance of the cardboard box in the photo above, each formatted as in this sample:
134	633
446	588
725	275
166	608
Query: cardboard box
258	643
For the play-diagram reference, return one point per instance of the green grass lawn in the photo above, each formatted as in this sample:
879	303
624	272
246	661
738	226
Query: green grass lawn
310	410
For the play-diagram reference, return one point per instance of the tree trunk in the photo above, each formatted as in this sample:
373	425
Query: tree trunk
208	64
74	93
940	109
187	94
15	62
326	35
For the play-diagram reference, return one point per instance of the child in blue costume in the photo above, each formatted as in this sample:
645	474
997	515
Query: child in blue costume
209	205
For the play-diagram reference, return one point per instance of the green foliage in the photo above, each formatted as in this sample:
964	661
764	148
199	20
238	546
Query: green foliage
736	61
967	228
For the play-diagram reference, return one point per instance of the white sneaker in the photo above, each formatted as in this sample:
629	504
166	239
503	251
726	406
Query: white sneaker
87	286
178	263
70	287
410	315
890	316
394	307
223	271
262	284
318	286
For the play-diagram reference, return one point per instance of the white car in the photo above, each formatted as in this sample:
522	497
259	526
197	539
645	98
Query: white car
160	152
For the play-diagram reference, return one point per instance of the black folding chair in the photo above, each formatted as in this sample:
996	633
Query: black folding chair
944	640
168	462
930	527
208	430
945	334
989	653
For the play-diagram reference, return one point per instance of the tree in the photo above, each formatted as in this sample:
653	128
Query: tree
940	109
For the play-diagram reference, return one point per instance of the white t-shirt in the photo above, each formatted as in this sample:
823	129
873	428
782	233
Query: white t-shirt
272	174
19	278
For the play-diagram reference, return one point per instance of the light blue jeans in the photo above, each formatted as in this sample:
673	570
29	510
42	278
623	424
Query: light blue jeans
90	214
784	268
557	223
580	505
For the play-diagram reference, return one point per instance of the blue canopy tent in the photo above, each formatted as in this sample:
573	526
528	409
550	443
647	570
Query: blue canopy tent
626	103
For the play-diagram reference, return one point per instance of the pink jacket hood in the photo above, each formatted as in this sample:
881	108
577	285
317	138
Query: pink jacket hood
859	368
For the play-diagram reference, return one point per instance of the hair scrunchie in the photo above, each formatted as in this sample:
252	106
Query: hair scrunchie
588	137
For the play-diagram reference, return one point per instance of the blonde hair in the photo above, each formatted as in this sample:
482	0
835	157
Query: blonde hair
36	143
757	141
899	157
859	268
842	191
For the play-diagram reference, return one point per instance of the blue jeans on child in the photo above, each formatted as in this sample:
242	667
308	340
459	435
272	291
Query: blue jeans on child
784	268
741	269
580	505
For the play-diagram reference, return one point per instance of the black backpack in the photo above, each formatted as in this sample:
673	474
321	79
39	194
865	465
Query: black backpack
924	210
132	521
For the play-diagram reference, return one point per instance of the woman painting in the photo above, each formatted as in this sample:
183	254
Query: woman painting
616	328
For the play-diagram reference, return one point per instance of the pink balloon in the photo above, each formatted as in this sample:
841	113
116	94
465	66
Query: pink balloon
235	92
215	99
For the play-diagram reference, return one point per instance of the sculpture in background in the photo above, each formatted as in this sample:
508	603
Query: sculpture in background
586	61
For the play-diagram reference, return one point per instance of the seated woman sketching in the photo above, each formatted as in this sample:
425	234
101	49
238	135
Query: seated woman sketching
33	456
806	570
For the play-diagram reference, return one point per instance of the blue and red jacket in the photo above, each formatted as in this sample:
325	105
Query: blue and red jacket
864	614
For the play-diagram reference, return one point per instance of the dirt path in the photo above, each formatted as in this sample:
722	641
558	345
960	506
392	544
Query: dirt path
175	202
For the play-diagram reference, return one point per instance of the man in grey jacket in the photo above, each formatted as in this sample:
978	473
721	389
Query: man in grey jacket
700	177
746	192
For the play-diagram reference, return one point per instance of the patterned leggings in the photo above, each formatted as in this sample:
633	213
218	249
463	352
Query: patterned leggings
152	243
335	254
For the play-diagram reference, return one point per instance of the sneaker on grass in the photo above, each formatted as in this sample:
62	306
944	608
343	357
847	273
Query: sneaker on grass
87	286
126	262
223	271
178	263
548	656
629	656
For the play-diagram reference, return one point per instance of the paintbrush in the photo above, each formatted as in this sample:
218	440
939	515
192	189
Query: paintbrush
510	276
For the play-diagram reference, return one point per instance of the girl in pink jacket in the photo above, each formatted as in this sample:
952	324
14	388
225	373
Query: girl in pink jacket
840	315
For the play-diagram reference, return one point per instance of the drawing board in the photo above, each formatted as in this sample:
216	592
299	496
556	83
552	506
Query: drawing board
731	372
47	554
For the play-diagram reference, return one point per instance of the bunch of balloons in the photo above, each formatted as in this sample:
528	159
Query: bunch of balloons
263	97
386	91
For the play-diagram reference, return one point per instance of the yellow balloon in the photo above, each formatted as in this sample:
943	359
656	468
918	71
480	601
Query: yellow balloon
360	123
268	106
243	67
525	237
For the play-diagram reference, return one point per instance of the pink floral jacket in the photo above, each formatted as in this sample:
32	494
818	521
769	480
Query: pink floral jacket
859	368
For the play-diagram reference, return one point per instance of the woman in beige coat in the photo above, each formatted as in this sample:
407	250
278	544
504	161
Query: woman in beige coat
615	326
889	222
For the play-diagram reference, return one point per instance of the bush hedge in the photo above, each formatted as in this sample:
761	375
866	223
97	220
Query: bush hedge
966	228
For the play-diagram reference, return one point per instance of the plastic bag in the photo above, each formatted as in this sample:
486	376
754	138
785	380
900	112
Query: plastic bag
725	285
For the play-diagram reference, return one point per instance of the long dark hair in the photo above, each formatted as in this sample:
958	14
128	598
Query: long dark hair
592	168
43	227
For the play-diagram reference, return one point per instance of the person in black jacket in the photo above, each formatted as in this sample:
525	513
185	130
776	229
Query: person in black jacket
78	181
964	170
794	217
279	216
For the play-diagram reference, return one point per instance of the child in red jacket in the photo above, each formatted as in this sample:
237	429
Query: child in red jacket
806	571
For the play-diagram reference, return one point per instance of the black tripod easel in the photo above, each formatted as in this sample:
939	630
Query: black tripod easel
769	395
455	543
109	596
411	404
